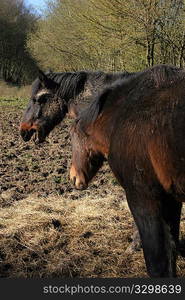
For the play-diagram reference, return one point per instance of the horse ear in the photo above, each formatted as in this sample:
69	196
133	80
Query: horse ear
49	71
42	76
46	81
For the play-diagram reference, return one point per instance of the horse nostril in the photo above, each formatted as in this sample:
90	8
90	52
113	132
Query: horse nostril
81	186
25	135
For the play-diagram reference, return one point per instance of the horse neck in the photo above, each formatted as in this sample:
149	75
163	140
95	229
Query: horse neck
93	83
100	132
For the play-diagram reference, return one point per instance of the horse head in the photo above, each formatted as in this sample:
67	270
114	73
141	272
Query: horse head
44	111
86	158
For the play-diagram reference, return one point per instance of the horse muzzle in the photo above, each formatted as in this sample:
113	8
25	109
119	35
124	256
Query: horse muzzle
78	184
27	130
78	181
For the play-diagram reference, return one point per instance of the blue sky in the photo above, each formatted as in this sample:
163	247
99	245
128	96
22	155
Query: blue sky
37	4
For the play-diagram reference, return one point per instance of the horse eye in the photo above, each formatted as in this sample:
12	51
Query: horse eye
42	99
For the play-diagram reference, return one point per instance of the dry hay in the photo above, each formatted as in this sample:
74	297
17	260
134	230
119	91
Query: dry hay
46	237
49	237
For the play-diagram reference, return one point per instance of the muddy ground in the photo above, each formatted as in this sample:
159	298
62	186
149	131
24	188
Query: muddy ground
48	229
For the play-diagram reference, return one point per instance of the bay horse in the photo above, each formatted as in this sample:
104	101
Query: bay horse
57	95
54	95
138	125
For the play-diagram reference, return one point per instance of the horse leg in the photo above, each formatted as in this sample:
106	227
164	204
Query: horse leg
155	232
135	245
171	210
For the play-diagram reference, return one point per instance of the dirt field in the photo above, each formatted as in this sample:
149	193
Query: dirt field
48	229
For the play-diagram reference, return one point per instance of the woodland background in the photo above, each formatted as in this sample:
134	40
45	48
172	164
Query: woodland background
104	35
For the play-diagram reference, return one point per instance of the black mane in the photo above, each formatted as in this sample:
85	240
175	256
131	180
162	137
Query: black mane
112	90
160	77
71	84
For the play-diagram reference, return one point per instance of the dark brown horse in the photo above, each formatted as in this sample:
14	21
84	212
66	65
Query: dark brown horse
56	94
138	124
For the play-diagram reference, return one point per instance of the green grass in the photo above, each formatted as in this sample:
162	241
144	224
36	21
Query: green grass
12	96
13	102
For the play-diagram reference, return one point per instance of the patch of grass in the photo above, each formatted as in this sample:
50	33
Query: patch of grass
57	179
13	96
18	103
9	91
14	102
114	181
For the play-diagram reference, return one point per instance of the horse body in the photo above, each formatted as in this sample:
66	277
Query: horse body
149	162
145	146
56	94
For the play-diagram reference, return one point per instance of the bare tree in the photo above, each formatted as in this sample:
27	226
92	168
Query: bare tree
16	21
